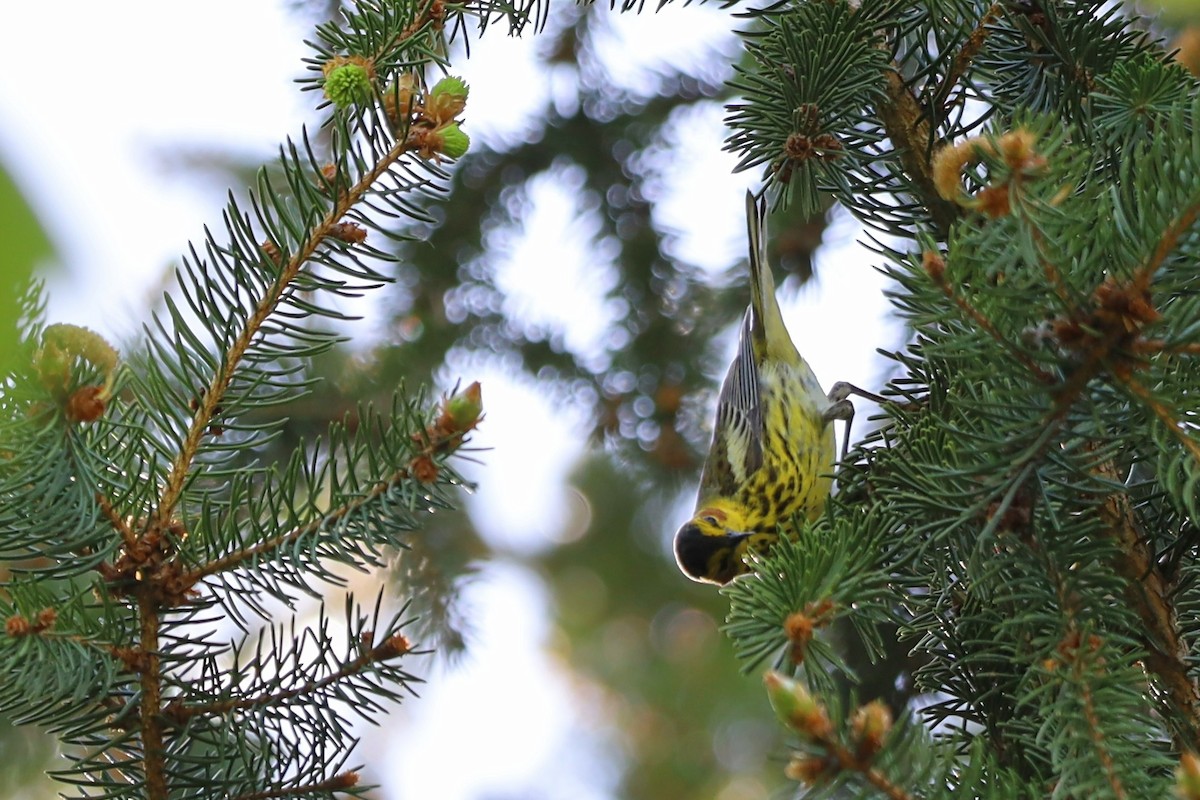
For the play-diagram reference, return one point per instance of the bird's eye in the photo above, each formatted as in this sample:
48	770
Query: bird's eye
710	520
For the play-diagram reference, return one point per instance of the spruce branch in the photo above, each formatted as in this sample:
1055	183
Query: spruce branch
935	267
813	577
287	276
1156	346
1172	420
1073	651
1054	315
826	755
152	466
963	58
210	401
908	127
1100	334
435	443
42	624
1150	594
337	783
328	686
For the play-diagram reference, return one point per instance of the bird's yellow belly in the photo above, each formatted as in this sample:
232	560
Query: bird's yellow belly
797	466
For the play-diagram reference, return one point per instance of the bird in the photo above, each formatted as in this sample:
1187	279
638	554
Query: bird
773	450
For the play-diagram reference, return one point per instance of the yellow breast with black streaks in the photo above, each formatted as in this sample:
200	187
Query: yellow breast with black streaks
798	452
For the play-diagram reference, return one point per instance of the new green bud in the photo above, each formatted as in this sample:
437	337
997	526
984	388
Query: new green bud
871	724
446	100
796	707
451	85
454	142
347	85
463	409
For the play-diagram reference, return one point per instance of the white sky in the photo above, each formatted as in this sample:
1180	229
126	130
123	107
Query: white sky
93	96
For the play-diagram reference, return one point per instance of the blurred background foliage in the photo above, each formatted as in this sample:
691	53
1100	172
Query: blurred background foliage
24	249
625	619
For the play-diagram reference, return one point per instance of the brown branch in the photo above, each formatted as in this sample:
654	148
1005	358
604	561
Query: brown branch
1153	346
395	646
1178	227
239	557
1148	592
154	753
337	783
962	60
939	277
418	466
875	776
908	128
130	657
1102	751
1165	415
114	519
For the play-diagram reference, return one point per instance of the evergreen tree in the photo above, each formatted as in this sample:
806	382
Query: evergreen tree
1025	515
1022	523
146	503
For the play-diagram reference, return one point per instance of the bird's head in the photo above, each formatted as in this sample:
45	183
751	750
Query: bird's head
711	548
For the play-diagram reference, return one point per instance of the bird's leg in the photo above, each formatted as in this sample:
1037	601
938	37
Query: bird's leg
841	390
841	408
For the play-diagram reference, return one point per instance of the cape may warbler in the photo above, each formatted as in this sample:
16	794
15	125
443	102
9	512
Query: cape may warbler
773	449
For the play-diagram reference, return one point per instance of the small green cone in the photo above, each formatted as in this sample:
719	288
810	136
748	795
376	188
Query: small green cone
347	85
464	409
455	143
447	99
795	707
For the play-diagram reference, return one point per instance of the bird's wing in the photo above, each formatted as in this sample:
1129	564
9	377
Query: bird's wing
736	450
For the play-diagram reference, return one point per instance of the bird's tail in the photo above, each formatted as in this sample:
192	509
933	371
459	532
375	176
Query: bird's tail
769	331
